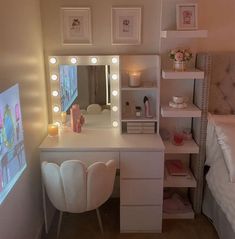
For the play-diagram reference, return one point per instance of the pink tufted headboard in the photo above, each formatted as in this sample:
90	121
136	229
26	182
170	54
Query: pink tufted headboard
222	82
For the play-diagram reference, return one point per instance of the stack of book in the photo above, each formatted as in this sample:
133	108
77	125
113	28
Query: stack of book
140	127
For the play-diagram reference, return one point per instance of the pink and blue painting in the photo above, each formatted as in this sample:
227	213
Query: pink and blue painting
12	153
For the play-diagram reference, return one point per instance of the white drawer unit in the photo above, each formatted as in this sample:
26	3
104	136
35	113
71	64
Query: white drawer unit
140	219
141	192
141	197
86	157
141	165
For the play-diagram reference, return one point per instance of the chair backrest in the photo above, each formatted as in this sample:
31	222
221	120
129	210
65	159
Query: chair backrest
73	188
94	109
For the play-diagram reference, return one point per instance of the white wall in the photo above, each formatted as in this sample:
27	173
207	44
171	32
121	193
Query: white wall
219	18
101	27
21	61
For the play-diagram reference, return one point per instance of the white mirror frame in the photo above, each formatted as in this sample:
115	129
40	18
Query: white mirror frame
112	61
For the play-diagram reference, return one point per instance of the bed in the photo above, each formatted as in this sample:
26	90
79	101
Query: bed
219	191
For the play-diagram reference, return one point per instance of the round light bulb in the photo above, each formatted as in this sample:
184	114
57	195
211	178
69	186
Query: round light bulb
73	60
114	93
114	76
115	124
115	108
114	60
55	93
56	109
94	60
54	77
52	60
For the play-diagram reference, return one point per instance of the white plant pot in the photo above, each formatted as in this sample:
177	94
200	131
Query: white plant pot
179	65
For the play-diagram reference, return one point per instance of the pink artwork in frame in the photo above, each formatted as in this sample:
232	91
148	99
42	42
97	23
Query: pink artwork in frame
186	16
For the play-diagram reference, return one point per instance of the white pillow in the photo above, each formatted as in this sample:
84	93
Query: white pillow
226	138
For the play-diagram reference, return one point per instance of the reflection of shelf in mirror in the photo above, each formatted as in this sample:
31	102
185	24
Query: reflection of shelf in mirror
184	34
189	147
144	86
187	74
136	119
190	111
187	215
179	181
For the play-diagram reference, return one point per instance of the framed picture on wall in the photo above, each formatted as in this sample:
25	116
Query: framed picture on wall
186	16
76	25
126	25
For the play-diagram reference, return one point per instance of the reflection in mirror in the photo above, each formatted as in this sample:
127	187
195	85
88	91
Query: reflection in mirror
85	85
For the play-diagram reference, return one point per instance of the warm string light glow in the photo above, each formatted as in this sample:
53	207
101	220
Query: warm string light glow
114	93
55	93
53	60
115	124
94	60
114	76
56	109
114	60
73	60
54	77
115	108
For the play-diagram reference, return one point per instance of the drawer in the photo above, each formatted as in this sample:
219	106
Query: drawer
141	164
141	192
141	219
86	157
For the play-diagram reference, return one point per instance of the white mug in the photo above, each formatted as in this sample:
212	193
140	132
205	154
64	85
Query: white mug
179	99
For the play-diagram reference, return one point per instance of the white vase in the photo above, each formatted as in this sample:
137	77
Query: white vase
179	65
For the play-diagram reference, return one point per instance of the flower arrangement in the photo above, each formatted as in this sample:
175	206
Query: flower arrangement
181	55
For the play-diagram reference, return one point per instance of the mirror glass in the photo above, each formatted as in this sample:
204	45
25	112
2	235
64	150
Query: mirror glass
85	85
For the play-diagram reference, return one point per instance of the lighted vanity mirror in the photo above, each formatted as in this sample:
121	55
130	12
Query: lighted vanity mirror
86	80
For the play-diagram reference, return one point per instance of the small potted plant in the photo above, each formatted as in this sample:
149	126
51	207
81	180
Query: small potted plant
180	56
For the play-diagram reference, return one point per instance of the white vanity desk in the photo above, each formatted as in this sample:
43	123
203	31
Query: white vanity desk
141	162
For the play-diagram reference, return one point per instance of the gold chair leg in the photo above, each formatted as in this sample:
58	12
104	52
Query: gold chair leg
99	220
59	224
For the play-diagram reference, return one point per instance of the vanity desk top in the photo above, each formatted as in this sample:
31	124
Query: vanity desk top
101	139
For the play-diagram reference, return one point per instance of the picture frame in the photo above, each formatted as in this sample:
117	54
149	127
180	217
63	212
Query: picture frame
186	16
76	25
126	25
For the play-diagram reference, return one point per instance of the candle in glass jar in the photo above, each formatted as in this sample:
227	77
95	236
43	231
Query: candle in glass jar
52	129
63	117
134	79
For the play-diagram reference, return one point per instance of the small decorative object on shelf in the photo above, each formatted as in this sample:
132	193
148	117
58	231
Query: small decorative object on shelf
134	79
178	138
178	102
147	107
52	130
137	111
180	56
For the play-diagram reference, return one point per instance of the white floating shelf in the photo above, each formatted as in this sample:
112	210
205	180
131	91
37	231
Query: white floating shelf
189	147
179	181
138	119
190	111
184	34
187	74
144	86
188	215
126	88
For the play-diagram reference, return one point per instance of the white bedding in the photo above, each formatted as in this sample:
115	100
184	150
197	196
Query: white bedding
218	176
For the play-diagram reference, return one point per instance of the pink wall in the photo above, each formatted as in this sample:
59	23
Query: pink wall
21	61
219	18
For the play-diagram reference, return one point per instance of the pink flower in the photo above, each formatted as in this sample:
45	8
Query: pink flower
179	56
